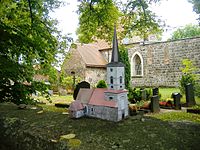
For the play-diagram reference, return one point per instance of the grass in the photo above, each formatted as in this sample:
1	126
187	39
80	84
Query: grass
56	99
167	92
178	116
158	131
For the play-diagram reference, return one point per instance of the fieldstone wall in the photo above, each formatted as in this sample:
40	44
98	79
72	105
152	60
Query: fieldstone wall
162	61
93	75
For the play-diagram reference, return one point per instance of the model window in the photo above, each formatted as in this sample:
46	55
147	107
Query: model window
111	80
120	78
111	69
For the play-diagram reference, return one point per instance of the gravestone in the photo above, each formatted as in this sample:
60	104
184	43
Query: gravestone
155	104
189	91
155	91
83	84
143	94
177	100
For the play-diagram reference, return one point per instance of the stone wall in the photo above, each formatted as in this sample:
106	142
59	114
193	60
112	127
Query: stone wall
103	112
162	61
93	75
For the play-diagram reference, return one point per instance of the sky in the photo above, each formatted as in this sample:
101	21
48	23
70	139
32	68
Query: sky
175	13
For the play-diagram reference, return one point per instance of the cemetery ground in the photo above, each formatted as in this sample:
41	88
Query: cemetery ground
43	127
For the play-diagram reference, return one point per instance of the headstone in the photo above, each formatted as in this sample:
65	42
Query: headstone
143	94
177	100
155	91
155	104
189	91
83	84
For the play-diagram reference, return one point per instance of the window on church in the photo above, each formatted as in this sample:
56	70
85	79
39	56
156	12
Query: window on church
137	65
120	79
111	80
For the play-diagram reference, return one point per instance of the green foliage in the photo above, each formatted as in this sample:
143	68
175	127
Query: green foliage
196	7
97	19
125	60
28	38
139	20
101	84
67	82
135	95
188	74
186	32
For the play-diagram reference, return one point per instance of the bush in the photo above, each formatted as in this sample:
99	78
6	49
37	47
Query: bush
101	84
197	90
188	75
134	95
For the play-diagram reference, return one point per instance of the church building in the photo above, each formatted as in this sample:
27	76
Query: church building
108	104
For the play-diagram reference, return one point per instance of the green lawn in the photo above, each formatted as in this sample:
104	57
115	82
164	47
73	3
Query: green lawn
167	92
29	129
56	99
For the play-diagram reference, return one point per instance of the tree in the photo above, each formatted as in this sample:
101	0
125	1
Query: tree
125	60
29	38
186	32
97	19
196	7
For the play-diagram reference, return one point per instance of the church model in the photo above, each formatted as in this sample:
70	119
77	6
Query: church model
108	104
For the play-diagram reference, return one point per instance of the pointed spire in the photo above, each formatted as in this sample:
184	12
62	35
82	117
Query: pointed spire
115	50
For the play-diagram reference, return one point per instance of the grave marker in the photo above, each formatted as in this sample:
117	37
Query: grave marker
155	103
189	91
177	100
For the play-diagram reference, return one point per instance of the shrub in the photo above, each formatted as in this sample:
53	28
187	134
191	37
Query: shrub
101	84
134	95
197	90
188	75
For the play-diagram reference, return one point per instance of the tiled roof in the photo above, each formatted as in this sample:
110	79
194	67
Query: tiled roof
91	54
84	95
76	105
98	98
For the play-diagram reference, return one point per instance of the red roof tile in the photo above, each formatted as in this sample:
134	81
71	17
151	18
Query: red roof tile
84	95
76	105
97	98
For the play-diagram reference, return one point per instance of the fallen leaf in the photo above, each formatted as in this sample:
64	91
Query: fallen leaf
68	136
54	141
40	112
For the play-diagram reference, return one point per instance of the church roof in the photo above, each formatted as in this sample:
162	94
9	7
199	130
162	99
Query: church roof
115	50
115	53
91	54
84	95
98	99
76	105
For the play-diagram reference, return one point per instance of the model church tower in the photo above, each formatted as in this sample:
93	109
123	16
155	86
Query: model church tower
115	69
